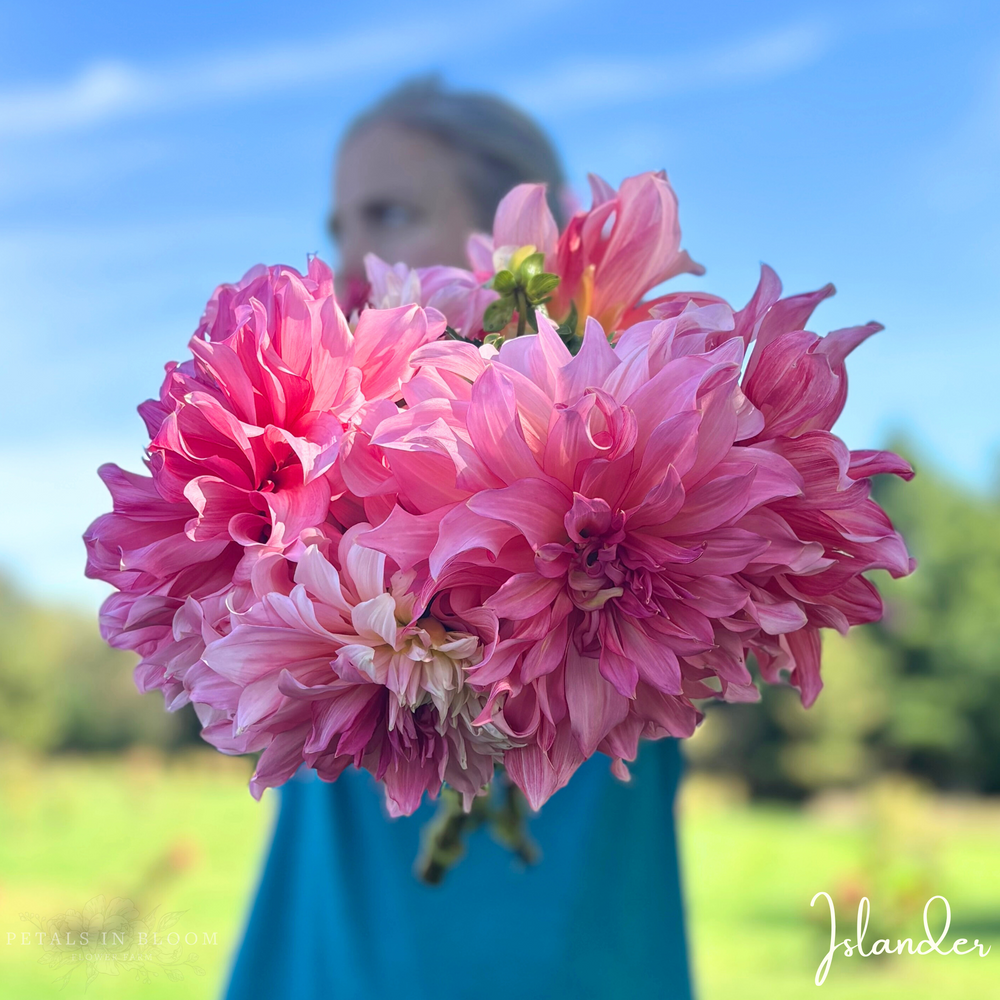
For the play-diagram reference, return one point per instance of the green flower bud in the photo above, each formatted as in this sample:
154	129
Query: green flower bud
531	266
541	285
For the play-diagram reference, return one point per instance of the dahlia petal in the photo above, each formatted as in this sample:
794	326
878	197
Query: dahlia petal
593	363
539	774
216	503
674	715
550	347
837	344
279	761
383	341
779	617
619	671
530	770
535	507
463	529
875	463
741	694
748	319
258	700
365	566
545	655
785	316
726	551
524	595
375	619
336	716
523	217
595	707
661	504
674	442
479	249
406	538
495	429
453	356
656	662
713	504
321	579
250	652
804	647
294	510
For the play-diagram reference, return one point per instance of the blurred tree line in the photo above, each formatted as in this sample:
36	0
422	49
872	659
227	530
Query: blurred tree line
62	688
919	692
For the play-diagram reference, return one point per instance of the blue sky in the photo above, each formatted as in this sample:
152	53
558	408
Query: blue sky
150	151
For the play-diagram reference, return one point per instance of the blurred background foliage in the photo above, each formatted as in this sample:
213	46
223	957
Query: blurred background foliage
63	689
915	694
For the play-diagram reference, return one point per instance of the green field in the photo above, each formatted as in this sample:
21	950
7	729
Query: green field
184	835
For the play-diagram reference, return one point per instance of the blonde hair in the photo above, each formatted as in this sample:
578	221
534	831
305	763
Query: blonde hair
498	146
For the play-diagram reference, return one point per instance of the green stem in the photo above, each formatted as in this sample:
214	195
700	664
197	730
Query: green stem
522	313
443	840
510	827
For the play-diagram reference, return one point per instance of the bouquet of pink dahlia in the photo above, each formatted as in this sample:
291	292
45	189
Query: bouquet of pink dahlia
512	516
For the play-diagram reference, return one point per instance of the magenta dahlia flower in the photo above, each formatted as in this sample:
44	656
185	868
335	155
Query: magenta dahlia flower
245	438
606	259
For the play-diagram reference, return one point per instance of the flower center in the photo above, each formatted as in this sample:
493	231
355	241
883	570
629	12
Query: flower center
595	531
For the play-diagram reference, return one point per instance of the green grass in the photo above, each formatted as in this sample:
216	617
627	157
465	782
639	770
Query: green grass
750	873
185	835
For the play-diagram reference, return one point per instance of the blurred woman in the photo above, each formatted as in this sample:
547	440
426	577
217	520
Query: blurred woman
339	912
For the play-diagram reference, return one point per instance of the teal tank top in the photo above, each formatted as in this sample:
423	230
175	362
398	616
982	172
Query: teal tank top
339	914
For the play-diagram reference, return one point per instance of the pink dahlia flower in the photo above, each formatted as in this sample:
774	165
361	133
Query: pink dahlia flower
457	294
607	258
652	526
245	439
349	666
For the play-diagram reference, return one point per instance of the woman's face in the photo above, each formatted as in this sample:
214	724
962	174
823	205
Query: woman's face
397	193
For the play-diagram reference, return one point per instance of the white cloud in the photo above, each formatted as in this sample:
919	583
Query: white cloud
594	79
110	90
105	91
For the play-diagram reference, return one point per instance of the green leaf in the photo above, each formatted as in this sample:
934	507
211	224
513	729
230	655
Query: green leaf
504	282
567	328
498	314
567	331
541	285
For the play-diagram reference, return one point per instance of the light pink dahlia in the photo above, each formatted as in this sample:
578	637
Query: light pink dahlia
653	527
455	293
348	666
